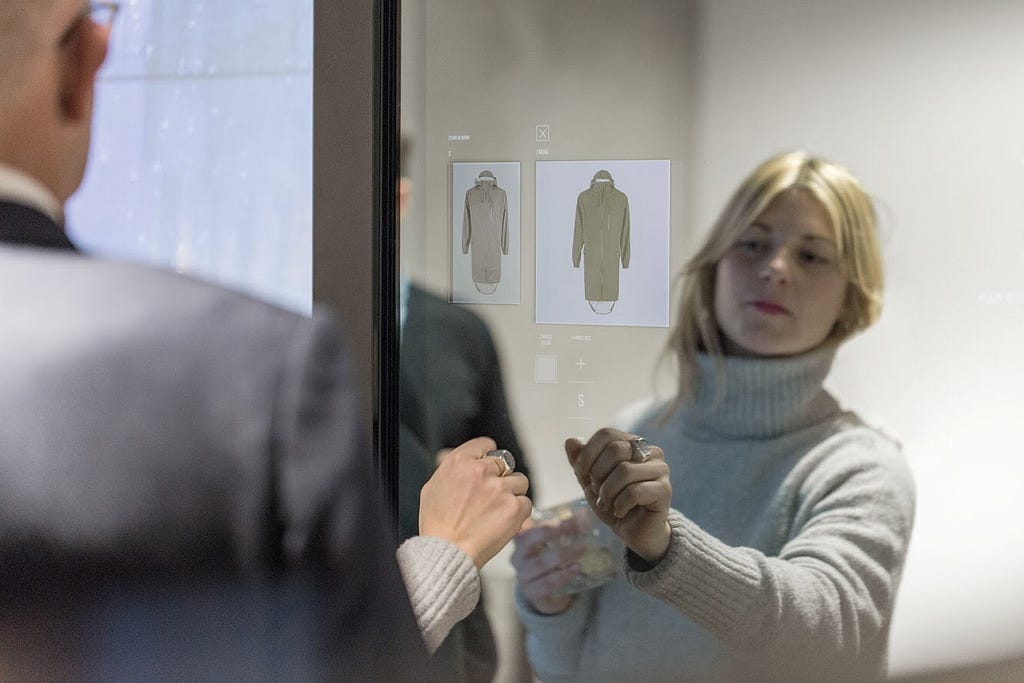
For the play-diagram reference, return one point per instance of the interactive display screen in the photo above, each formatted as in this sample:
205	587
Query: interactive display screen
568	159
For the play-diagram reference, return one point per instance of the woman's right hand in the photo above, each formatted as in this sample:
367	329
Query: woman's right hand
632	498
546	562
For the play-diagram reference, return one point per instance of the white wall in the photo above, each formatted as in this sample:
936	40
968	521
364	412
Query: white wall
924	101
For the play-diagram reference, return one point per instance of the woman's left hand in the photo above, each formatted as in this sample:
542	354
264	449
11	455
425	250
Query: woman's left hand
632	498
471	502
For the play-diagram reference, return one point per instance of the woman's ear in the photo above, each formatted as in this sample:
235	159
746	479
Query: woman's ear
81	61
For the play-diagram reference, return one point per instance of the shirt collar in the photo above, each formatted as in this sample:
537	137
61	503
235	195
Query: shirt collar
19	187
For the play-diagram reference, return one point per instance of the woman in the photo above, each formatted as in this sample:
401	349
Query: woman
766	531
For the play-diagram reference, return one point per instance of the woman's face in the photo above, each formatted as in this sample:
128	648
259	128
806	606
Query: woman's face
779	288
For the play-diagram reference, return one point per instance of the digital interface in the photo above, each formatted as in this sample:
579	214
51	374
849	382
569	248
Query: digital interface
675	102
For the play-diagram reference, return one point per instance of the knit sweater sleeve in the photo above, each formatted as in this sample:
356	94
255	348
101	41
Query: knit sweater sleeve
442	582
824	603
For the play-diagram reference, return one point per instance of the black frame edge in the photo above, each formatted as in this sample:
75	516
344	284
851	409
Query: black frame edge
386	135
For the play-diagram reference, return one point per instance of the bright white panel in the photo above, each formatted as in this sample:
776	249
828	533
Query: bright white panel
202	145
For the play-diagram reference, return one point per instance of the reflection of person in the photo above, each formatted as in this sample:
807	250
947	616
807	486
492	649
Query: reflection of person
448	356
766	536
448	352
451	390
182	485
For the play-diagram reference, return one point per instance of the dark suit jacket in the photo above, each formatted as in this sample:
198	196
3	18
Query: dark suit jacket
450	360
451	391
183	488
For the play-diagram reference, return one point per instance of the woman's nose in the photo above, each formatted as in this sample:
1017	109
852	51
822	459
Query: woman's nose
776	268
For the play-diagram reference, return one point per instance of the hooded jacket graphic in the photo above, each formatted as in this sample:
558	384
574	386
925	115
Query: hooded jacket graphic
485	227
601	237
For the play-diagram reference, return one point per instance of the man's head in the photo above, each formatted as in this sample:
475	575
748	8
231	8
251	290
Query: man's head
50	52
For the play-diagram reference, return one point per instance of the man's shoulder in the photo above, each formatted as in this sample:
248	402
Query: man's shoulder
44	276
135	306
195	363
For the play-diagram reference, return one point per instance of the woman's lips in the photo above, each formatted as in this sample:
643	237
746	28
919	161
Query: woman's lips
770	308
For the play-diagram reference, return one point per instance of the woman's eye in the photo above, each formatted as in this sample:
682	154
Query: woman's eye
753	246
812	258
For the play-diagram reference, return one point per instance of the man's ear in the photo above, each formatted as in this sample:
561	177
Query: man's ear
81	61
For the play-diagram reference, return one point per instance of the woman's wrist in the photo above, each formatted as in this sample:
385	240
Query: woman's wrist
652	551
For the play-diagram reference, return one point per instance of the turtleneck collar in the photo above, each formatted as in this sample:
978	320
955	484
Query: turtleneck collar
759	397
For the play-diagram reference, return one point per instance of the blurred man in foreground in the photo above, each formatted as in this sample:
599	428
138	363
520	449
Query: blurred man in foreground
182	488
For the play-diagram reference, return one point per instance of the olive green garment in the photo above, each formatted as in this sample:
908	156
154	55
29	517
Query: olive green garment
485	227
601	237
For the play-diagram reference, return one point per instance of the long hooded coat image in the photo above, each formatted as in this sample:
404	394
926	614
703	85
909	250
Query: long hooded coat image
485	227
601	237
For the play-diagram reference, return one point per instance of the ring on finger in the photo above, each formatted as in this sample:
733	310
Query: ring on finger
506	461
641	449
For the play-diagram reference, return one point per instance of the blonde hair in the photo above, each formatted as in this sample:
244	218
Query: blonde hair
853	219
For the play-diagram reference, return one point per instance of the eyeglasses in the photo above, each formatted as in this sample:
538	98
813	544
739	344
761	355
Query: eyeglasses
100	13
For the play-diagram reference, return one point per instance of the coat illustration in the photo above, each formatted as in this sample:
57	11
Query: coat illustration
485	227
601	237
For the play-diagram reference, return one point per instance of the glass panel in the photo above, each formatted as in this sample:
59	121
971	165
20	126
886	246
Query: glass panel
678	101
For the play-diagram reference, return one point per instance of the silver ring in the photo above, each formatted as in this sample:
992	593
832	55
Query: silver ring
506	459
641	449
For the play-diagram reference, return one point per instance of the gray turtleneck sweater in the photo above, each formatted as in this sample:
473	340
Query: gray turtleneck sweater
790	525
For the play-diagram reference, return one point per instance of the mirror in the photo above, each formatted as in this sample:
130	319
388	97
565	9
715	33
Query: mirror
921	100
